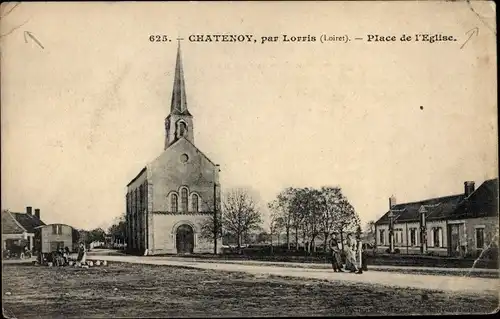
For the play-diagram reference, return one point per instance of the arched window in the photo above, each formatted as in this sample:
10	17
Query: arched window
173	203
181	129
184	200
195	203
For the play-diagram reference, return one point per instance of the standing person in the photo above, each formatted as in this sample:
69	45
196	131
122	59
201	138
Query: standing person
82	253
360	254
351	254
335	251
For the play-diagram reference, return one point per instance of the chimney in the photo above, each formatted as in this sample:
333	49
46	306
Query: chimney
37	213
29	210
469	188
392	201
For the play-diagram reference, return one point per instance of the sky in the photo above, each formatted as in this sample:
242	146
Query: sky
83	115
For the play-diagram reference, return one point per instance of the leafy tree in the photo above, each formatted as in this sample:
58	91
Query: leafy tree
346	219
369	233
119	229
263	237
275	223
330	199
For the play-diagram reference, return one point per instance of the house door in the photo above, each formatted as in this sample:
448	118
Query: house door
184	239
454	239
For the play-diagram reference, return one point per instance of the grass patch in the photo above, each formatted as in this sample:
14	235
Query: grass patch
134	290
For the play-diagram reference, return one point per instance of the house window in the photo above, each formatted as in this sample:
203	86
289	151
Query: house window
184	200
398	236
437	237
195	203
382	237
173	203
480	238
56	230
413	237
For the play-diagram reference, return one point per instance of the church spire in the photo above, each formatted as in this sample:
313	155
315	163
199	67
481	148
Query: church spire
179	123
179	103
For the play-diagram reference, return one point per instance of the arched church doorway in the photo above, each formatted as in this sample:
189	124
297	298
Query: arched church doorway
184	239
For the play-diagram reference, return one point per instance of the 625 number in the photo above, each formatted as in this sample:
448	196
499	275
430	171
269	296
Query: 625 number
158	38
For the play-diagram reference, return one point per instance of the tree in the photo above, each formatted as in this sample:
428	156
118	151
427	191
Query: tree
94	235
208	229
274	226
262	237
330	199
306	208
240	214
345	219
119	229
369	233
281	207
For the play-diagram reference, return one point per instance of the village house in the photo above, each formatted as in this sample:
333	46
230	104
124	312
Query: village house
19	229
457	225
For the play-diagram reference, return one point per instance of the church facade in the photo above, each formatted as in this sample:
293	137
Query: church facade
174	195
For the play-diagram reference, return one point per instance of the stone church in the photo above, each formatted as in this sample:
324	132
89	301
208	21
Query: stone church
170	198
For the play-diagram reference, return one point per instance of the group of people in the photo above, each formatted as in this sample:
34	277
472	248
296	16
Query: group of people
61	257
348	259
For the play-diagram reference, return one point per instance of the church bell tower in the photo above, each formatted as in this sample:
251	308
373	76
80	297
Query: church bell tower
179	123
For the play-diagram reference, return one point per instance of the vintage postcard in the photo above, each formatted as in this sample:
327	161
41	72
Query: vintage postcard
236	159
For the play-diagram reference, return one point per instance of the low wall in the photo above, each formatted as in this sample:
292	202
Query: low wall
380	260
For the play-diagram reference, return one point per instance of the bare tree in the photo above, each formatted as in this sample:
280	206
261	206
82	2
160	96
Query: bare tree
208	228
240	214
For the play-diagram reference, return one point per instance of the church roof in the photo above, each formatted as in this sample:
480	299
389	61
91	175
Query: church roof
179	101
137	176
174	143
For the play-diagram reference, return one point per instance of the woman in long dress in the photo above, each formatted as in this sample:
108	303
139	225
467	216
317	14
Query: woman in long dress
352	254
82	254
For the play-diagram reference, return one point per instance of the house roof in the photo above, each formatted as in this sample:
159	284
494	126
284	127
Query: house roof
10	225
437	208
18	223
481	203
29	222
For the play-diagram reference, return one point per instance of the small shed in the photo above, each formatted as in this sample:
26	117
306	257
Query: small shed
57	236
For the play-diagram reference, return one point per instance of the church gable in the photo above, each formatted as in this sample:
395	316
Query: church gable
182	166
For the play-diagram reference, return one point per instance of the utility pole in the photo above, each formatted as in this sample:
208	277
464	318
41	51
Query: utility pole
391	231
216	224
423	230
